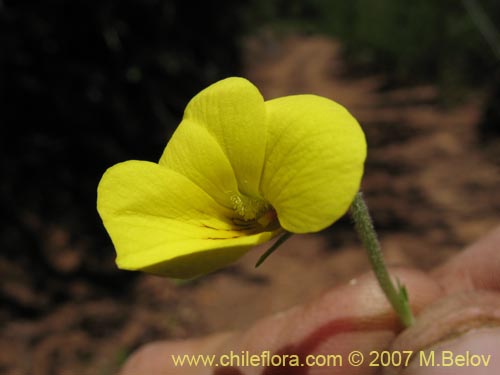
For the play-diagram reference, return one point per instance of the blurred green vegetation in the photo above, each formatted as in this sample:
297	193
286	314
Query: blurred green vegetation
410	42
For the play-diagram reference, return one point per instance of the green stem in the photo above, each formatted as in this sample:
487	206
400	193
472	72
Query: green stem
273	248
398	297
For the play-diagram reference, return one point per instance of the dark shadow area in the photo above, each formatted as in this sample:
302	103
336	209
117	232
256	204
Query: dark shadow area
84	85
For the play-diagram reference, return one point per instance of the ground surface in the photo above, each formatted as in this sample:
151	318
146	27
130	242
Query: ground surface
431	187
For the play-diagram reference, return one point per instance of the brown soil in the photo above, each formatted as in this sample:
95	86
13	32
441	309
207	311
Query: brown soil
431	187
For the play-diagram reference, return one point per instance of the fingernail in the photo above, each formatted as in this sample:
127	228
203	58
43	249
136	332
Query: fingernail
459	334
475	352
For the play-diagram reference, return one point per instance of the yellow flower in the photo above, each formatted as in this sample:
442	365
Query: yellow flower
237	172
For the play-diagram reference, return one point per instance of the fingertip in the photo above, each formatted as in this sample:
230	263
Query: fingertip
157	358
445	326
475	268
476	352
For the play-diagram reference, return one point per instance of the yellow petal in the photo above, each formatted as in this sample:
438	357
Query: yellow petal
161	222
232	112
195	153
314	161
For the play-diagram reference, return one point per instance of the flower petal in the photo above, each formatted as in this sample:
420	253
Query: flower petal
161	222
314	161
195	153
232	111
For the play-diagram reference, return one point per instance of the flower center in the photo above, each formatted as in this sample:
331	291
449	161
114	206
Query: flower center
249	208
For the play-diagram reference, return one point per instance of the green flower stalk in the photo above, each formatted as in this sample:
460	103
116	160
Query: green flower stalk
397	296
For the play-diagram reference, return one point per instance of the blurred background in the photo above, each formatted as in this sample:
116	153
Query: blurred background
87	84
